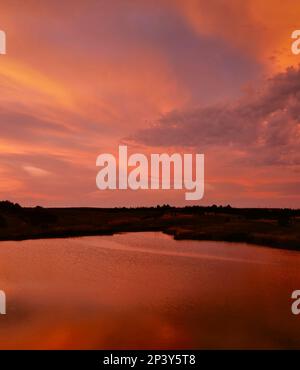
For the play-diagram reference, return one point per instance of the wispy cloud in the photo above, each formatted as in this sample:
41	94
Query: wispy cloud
80	77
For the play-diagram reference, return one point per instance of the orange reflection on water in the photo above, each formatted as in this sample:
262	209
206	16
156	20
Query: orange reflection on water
145	290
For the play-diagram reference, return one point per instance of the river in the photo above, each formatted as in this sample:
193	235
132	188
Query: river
146	290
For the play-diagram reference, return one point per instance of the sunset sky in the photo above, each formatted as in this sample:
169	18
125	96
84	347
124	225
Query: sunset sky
214	77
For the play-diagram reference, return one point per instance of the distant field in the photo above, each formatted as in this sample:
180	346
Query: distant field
271	227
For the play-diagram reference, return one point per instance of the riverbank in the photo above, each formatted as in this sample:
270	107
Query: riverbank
278	228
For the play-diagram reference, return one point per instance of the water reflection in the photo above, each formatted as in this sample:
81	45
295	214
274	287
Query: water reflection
145	290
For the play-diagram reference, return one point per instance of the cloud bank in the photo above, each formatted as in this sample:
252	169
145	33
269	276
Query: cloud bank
263	125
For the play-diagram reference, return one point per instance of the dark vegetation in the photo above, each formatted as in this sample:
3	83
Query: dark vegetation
271	227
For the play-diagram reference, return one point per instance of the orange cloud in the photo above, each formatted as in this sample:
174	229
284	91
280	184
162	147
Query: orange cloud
77	79
260	28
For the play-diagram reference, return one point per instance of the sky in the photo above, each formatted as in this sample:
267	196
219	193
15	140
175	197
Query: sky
189	76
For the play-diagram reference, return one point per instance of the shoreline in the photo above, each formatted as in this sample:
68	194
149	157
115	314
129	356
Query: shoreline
264	243
276	228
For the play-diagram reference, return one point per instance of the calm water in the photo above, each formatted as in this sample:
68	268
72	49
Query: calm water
145	290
